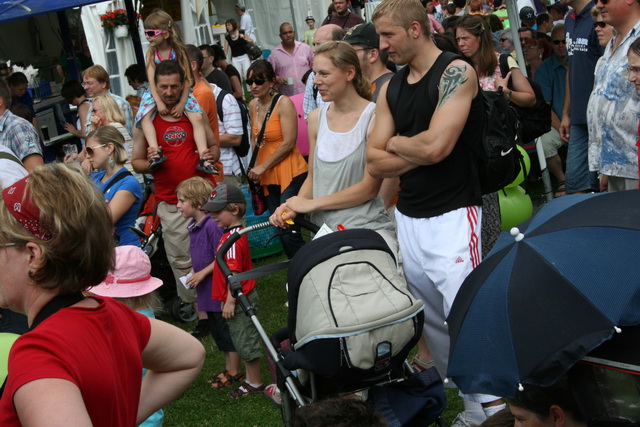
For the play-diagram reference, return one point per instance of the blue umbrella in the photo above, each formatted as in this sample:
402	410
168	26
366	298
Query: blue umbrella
549	292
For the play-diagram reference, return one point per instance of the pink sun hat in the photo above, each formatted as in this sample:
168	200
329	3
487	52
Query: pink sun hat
131	277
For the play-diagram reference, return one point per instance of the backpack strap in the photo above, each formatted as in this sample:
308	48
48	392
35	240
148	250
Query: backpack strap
9	156
437	69
119	177
219	100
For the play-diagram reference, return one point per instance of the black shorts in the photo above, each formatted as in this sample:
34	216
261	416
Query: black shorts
220	331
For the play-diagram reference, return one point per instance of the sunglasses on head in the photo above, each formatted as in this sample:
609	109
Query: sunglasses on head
91	150
559	42
258	82
599	24
154	33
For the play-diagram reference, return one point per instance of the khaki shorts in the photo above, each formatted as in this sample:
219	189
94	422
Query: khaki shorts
244	334
551	143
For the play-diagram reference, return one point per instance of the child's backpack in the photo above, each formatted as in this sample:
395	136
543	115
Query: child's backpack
534	121
243	149
352	320
497	161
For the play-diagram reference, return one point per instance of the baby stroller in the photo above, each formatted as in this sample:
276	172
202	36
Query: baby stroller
351	320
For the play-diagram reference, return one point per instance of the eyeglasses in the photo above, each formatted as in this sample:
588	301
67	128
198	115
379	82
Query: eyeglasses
559	42
91	150
599	24
5	245
154	33
89	83
633	70
258	82
531	47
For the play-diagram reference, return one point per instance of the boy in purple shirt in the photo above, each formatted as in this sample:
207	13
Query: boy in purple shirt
205	236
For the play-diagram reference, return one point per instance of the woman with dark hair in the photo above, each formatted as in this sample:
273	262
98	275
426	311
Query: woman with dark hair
552	406
73	92
236	40
280	168
473	36
80	363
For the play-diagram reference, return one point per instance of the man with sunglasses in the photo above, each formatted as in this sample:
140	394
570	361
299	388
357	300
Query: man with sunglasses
583	52
291	59
614	102
551	76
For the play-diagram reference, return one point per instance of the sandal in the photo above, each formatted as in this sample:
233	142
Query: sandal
420	366
561	190
207	168
225	379
246	389
272	392
157	161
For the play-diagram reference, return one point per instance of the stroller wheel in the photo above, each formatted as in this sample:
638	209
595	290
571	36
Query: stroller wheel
183	311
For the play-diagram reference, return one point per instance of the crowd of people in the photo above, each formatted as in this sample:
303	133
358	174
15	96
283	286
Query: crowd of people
338	132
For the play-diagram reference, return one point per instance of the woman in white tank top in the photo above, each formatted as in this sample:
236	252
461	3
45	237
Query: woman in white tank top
338	190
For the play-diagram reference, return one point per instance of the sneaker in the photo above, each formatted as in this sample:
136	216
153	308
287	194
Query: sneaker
272	392
201	331
461	421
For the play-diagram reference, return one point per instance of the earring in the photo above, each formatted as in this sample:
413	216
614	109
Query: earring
111	162
30	273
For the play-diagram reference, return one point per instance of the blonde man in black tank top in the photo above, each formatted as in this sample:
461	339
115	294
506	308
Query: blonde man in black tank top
426	145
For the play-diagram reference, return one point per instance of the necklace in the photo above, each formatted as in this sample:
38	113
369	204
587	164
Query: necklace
256	130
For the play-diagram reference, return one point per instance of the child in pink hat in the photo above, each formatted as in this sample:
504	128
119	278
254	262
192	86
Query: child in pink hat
132	284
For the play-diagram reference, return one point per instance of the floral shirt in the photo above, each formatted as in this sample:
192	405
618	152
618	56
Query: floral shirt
611	113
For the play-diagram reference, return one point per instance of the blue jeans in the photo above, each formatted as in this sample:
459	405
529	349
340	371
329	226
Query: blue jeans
291	241
577	177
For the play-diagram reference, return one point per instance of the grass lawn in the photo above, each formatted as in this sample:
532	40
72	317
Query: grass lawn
201	405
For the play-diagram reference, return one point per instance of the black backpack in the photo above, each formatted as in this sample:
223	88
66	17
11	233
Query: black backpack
497	161
242	149
534	121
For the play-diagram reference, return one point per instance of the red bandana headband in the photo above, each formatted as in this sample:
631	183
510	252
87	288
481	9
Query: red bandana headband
16	198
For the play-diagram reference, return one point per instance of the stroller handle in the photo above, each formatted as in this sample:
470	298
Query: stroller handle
224	248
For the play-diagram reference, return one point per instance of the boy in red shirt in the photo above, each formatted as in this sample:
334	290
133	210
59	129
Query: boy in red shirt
228	206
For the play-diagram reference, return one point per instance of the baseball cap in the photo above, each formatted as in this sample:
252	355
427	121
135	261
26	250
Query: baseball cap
363	34
310	18
527	14
222	195
131	276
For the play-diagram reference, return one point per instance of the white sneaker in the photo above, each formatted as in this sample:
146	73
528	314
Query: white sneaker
461	421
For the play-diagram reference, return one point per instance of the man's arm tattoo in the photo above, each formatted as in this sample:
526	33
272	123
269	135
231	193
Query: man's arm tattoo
452	78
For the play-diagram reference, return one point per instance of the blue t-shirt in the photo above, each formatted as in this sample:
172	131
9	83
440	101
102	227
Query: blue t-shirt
130	184
551	76
583	52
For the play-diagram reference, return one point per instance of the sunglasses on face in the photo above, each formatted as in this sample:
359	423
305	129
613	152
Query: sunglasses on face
559	42
258	82
599	24
154	33
91	150
504	40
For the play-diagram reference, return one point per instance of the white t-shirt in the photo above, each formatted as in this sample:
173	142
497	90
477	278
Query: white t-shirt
10	170
246	24
232	125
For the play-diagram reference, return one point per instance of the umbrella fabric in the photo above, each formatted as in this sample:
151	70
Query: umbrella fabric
536	306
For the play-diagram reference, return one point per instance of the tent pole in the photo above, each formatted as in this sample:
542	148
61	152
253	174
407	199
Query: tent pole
68	46
133	30
514	19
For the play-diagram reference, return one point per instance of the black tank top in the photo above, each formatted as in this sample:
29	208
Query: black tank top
237	46
432	190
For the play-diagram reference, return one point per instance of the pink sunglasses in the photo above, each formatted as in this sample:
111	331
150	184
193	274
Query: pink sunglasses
154	33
